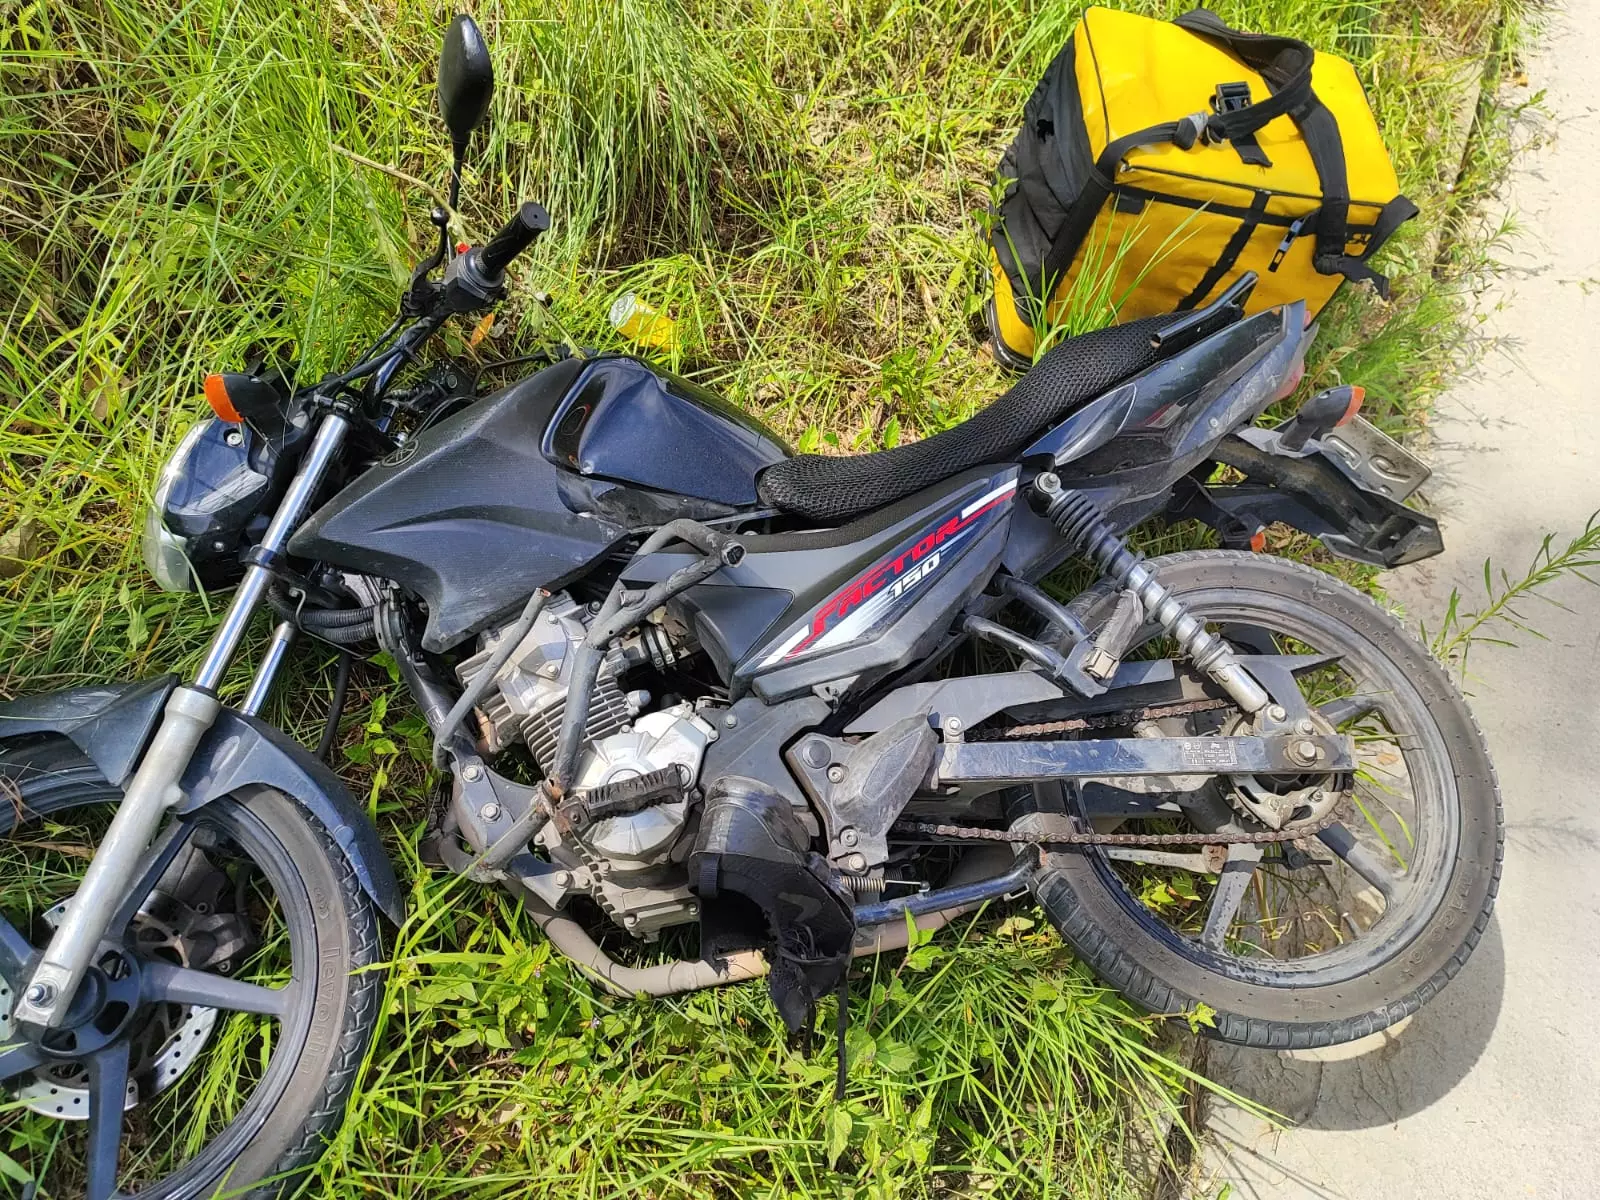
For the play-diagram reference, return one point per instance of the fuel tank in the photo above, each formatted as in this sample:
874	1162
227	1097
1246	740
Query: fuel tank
530	487
623	420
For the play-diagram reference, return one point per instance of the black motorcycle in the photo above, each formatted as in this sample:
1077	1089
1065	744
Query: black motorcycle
680	681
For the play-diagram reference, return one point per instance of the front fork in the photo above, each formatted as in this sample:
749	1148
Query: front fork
154	788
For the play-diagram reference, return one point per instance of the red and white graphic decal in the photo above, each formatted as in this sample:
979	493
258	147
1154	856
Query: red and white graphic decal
858	606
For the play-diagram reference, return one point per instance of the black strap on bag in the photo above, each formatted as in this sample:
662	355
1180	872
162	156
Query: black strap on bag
1097	189
1285	64
1230	254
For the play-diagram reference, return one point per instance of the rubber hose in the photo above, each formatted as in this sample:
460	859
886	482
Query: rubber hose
341	687
314	620
352	635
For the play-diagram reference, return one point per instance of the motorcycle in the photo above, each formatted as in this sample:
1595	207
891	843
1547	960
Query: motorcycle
680	680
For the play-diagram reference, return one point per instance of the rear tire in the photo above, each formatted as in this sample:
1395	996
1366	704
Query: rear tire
1266	1008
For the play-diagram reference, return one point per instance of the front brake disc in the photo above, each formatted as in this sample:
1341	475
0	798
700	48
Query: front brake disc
164	1046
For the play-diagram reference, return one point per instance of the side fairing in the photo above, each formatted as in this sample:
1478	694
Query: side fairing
874	599
469	516
531	486
841	608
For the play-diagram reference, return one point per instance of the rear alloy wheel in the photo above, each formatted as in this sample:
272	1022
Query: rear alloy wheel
213	1044
1333	936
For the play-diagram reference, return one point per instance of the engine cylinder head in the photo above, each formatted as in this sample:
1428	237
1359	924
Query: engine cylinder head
529	692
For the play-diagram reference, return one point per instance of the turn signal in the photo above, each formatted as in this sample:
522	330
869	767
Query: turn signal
1357	395
217	397
1326	410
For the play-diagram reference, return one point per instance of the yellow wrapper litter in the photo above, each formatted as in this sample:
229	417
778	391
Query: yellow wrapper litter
639	322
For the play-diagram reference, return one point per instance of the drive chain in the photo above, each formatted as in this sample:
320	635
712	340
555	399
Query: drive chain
1107	720
1086	837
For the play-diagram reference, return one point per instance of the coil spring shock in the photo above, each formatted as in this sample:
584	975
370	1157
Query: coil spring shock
1086	529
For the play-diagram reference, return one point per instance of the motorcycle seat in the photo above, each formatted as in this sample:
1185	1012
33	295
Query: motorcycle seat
831	488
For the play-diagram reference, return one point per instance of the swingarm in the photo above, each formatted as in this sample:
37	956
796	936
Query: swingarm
1003	764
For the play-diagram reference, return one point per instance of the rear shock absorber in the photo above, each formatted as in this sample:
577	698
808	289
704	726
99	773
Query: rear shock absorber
1083	525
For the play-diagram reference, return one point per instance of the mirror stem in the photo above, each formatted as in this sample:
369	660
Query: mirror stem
455	180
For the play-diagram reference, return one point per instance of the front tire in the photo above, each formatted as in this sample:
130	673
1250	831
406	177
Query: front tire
1391	970
251	1121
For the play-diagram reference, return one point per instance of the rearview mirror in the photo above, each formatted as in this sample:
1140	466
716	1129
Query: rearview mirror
466	81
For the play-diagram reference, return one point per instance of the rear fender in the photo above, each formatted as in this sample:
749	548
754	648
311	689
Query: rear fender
1314	493
112	723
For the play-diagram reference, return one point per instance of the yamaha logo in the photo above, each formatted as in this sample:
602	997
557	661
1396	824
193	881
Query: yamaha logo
402	453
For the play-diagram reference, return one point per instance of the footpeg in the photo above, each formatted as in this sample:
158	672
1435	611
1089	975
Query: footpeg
1103	660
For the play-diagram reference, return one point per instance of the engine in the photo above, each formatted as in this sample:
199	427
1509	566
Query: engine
629	862
675	738
637	827
529	695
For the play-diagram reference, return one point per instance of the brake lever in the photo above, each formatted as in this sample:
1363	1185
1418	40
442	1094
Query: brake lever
422	293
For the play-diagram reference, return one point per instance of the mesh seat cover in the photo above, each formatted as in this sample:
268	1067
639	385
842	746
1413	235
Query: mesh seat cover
831	488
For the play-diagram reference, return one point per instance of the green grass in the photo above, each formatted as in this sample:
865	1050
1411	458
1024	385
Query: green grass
799	185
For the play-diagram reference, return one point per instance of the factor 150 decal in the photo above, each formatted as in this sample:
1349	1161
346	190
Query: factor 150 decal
865	600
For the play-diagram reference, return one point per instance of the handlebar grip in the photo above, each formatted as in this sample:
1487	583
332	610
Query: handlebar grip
514	237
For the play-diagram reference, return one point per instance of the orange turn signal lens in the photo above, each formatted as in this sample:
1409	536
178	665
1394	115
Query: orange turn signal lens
217	397
1357	395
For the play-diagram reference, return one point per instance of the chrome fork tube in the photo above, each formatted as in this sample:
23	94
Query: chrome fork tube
190	712
261	686
256	578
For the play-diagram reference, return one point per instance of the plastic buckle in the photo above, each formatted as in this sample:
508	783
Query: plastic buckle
1190	130
1231	97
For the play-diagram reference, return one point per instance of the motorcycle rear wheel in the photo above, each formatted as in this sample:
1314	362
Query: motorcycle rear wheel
243	1100
1348	981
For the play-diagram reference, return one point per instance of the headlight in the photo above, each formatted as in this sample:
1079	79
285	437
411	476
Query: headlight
166	555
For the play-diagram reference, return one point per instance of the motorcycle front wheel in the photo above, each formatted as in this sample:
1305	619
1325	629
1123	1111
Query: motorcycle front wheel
1335	936
215	1041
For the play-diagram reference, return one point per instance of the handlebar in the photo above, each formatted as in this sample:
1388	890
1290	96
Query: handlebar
514	237
472	281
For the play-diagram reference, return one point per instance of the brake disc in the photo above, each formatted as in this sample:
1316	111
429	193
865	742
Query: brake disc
171	1037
